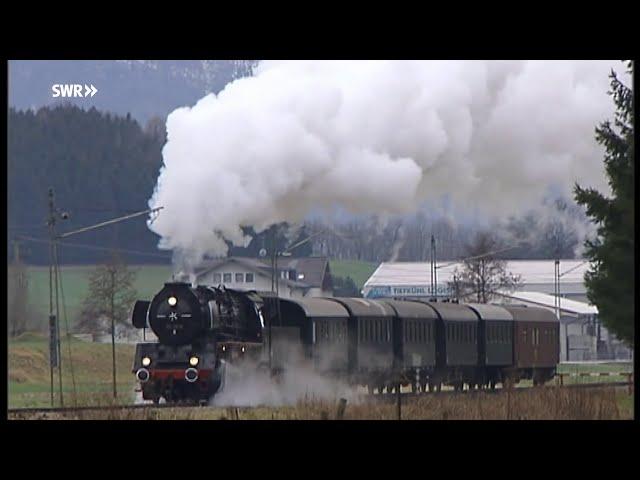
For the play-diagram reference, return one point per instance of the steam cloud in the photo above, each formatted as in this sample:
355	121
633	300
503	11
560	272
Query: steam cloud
245	386
376	137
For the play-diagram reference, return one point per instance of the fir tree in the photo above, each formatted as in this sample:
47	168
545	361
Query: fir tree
610	280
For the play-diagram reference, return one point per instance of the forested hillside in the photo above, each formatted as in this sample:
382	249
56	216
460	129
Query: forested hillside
100	166
143	88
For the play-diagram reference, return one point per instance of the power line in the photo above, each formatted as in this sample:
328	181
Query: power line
93	247
573	268
476	257
109	222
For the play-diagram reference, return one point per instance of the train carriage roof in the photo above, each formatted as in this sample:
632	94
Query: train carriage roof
361	307
320	307
453	312
531	314
491	312
408	309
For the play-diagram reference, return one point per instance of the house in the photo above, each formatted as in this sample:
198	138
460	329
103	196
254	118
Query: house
297	277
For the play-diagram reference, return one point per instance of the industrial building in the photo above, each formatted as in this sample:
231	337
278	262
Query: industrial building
582	335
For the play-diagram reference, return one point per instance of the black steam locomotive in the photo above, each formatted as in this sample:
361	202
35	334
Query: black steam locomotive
373	343
197	327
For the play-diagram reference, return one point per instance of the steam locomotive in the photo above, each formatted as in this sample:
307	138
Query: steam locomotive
373	343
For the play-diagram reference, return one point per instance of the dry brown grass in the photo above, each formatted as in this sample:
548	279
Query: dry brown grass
530	404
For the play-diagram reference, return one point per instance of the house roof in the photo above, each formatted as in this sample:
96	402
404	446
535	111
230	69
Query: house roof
531	272
314	269
546	300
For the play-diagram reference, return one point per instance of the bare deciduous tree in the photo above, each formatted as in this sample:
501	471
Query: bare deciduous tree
17	296
111	294
482	275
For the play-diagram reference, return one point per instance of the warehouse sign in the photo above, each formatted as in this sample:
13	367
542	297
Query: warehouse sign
409	291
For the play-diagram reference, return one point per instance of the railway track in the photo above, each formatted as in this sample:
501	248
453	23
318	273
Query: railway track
376	397
392	397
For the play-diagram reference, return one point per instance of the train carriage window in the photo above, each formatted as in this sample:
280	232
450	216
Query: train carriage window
226	278
217	278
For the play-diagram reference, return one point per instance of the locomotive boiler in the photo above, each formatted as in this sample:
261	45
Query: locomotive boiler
199	329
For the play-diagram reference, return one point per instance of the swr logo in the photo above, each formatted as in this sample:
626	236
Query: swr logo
72	90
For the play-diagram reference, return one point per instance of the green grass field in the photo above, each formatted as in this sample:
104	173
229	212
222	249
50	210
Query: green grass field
149	280
75	284
358	271
30	380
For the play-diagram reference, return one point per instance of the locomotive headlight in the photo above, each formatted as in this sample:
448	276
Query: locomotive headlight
193	361
146	361
173	301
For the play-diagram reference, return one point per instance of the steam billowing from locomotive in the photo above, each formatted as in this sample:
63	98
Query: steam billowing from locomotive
376	136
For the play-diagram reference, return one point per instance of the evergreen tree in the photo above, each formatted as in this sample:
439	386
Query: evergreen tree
610	280
345	287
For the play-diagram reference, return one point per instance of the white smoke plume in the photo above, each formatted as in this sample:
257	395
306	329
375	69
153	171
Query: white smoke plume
377	137
245	386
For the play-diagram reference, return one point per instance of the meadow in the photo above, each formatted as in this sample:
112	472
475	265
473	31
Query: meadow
149	279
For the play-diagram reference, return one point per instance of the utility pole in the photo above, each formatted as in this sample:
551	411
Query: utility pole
113	329
434	268
431	265
54	327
